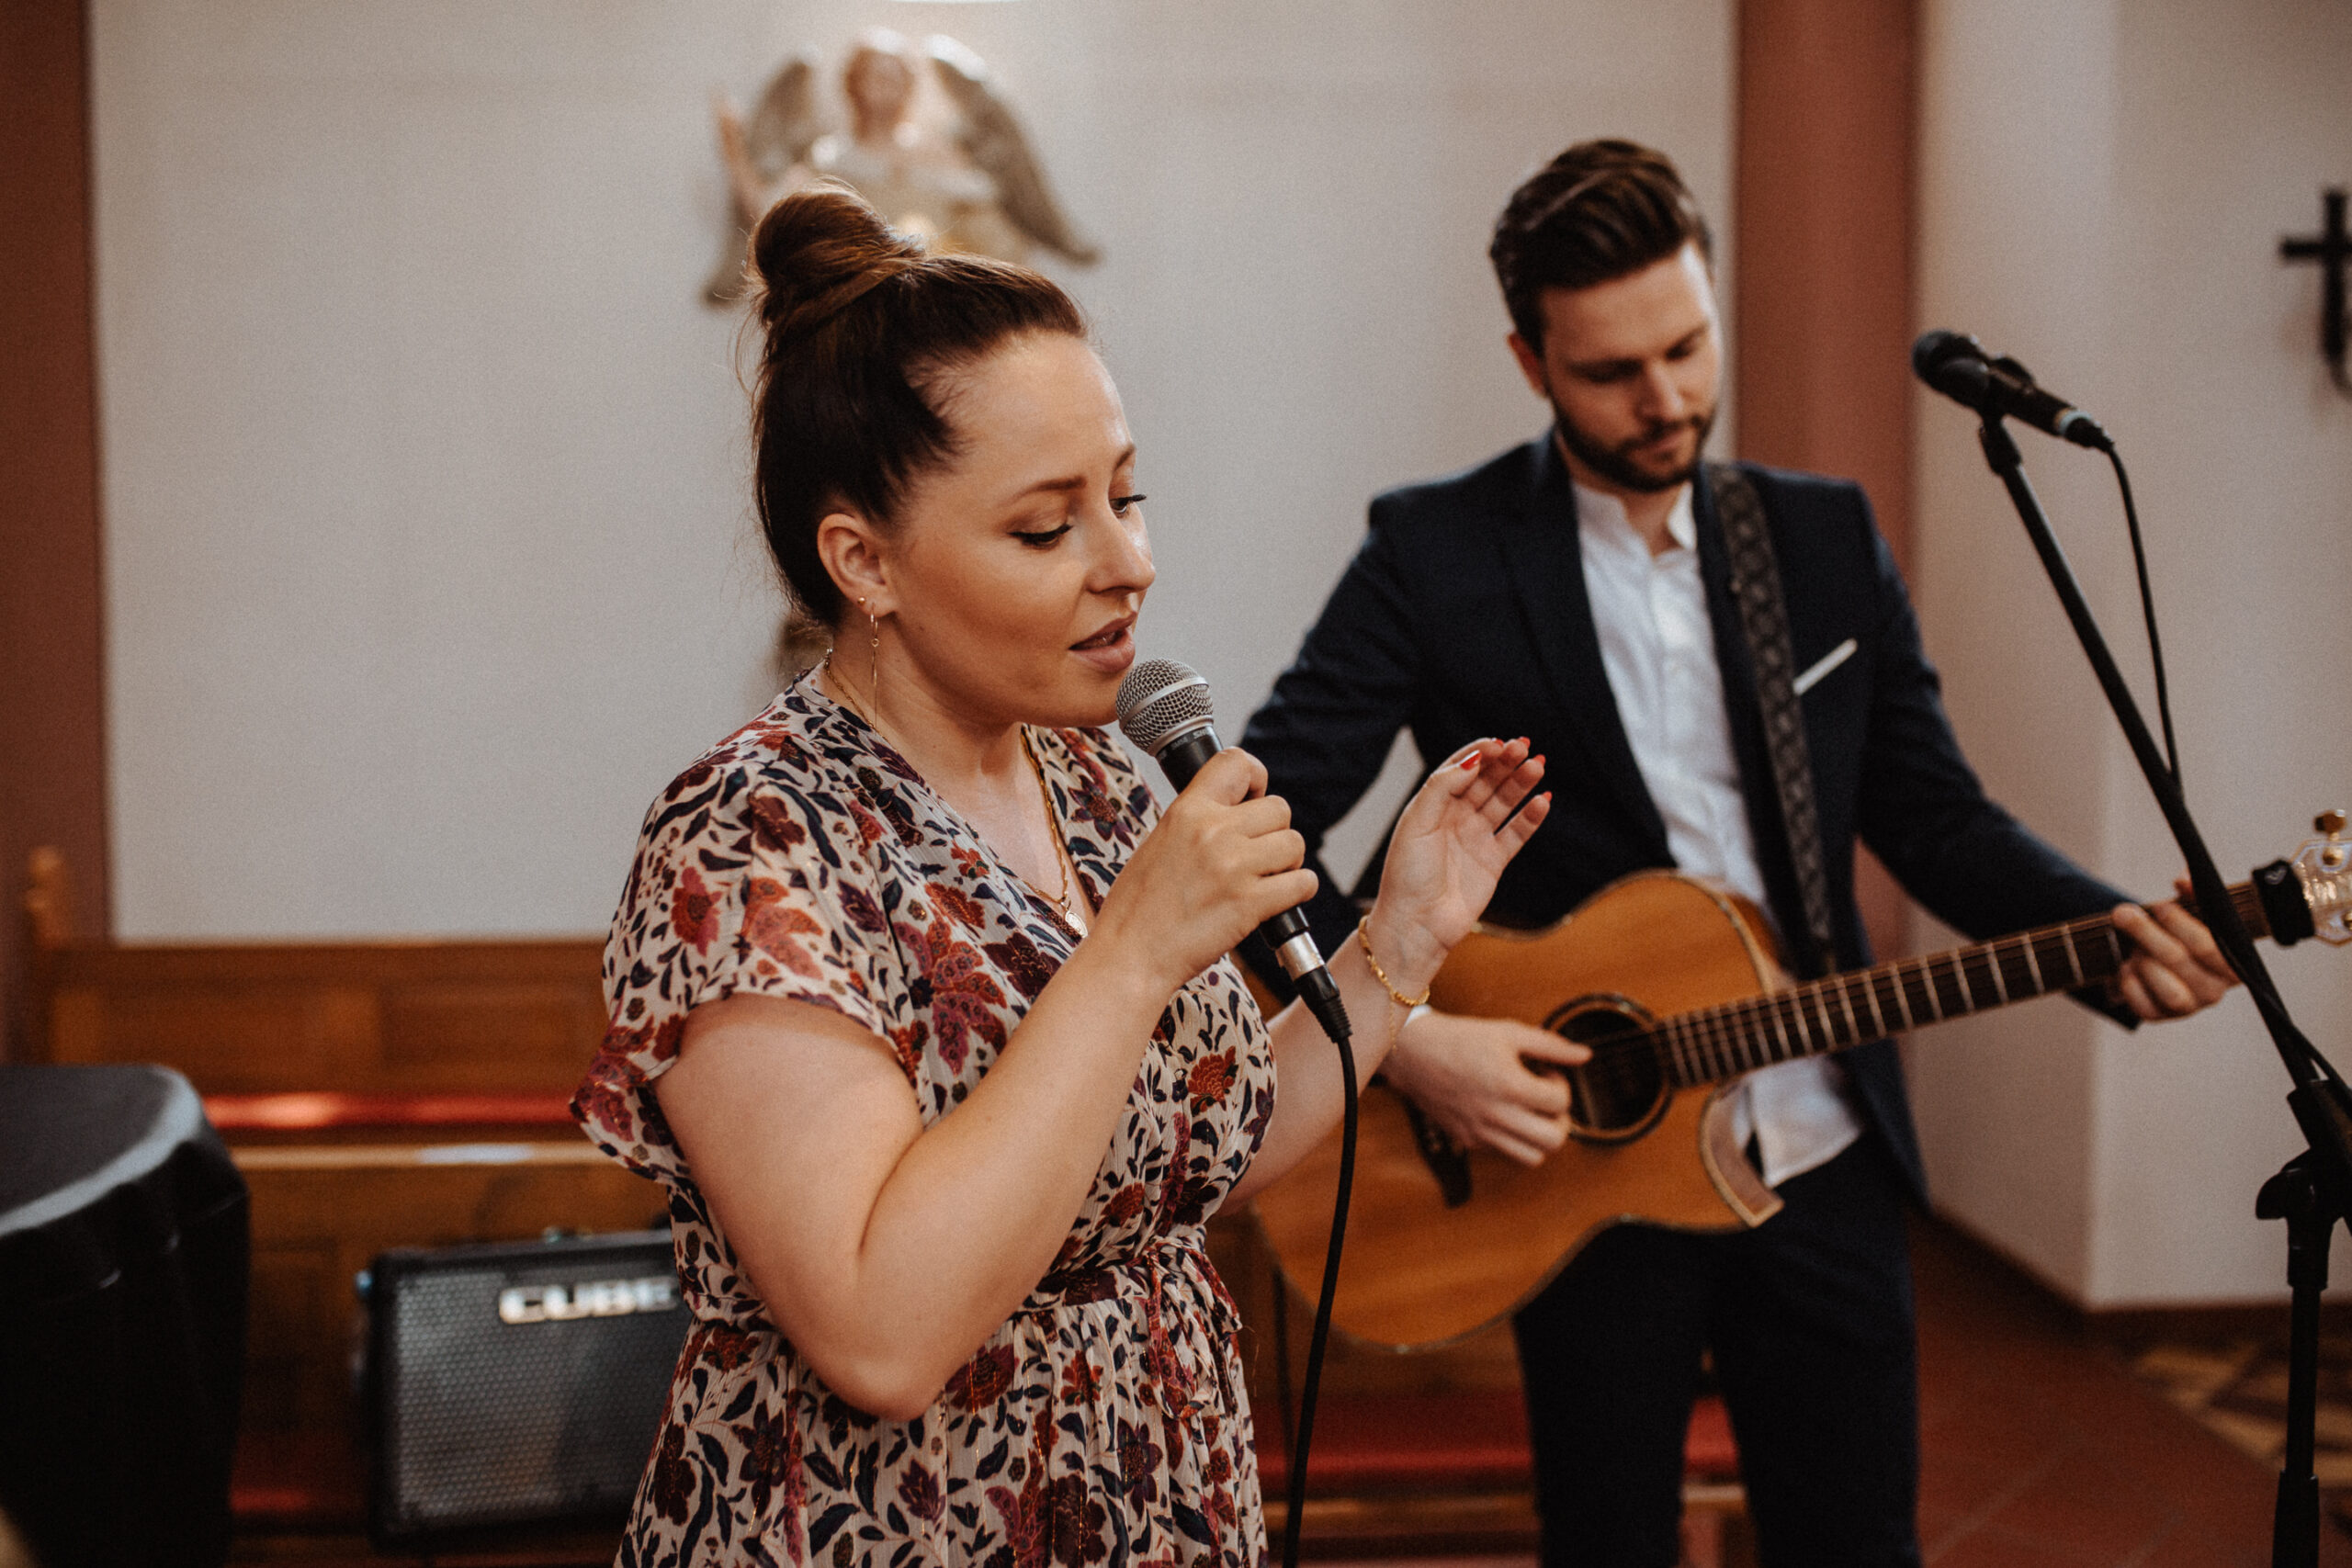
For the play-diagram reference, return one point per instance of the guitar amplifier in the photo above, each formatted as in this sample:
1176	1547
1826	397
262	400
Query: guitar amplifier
515	1383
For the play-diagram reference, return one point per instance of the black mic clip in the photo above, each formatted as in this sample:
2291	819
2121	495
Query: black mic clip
1999	385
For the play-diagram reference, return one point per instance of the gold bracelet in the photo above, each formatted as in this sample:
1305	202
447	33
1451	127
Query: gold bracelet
1400	997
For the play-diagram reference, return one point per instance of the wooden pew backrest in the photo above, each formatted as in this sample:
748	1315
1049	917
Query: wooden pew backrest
403	1018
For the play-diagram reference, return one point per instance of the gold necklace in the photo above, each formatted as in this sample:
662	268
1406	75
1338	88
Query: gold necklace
1053	826
849	700
1060	900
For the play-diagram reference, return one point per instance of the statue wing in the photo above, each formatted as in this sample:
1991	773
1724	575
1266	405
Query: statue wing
993	139
786	123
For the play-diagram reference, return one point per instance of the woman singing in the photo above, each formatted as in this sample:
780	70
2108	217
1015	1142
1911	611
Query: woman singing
920	1006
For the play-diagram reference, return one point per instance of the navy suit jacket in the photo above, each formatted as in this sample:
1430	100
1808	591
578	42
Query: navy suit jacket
1465	614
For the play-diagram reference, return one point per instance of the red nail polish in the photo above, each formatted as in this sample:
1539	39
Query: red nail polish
1470	764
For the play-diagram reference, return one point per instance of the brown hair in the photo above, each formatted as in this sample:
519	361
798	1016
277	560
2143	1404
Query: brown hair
862	326
1599	211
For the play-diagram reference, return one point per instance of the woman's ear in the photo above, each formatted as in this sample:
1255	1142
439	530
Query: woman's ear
856	557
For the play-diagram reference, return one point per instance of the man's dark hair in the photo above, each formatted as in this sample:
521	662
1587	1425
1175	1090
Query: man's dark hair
1599	211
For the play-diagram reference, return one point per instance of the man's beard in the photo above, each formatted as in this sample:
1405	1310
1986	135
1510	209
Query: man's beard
1616	465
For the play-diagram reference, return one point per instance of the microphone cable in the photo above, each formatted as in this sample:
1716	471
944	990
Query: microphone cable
2147	611
2248	967
1319	1336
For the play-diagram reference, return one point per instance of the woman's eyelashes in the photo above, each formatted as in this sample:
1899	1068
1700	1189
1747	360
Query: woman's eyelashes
1045	537
1042	536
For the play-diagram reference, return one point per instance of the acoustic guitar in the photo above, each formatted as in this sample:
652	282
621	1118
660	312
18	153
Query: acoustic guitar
1674	985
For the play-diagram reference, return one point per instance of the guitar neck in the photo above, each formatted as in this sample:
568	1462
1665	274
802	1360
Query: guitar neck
1712	1044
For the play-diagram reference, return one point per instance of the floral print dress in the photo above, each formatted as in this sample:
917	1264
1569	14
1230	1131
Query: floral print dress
1105	1421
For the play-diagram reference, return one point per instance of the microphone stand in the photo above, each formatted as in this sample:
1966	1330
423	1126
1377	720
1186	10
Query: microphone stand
2313	1191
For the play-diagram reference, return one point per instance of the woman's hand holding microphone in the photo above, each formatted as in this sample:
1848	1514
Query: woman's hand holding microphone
1222	860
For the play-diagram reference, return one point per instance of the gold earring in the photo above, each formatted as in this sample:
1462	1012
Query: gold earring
873	679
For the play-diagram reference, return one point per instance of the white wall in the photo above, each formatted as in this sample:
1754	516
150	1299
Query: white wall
2104	185
428	545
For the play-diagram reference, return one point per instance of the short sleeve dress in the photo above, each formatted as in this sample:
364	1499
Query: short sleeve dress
1105	1421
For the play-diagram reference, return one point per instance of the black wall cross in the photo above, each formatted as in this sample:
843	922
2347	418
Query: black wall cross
2332	248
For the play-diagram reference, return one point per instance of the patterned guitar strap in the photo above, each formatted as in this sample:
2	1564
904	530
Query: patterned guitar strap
1764	617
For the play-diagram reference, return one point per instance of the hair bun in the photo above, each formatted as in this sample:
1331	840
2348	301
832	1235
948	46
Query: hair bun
819	250
846	409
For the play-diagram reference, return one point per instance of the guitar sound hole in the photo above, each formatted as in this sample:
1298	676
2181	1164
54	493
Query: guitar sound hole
1618	1093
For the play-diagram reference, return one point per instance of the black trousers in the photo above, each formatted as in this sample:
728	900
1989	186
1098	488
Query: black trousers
1809	1318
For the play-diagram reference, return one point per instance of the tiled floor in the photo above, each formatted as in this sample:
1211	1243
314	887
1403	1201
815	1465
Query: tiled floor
2040	1446
2232	1376
2041	1451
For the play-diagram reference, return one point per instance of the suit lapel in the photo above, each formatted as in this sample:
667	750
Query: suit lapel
1547	559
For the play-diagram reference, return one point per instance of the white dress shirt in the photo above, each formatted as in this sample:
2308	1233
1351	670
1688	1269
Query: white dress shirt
1658	648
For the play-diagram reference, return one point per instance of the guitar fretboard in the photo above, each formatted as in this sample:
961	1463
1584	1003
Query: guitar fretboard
1718	1043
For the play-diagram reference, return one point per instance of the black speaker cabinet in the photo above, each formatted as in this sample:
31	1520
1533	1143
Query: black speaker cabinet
516	1384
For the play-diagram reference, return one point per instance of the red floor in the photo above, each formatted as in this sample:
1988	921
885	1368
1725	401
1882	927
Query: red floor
2038	1447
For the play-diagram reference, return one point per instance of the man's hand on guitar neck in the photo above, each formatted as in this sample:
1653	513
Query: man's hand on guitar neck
1473	1077
2178	968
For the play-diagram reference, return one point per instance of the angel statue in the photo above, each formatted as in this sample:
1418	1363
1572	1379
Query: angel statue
931	143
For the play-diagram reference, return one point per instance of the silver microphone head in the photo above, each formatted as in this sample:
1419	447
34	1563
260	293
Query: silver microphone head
1161	700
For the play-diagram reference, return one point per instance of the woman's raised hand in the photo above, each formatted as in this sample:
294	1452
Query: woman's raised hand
1223	859
1457	833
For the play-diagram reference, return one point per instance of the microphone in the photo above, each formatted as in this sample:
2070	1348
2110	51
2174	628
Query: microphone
1164	710
1958	367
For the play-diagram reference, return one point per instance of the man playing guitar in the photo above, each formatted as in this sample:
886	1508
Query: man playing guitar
1578	590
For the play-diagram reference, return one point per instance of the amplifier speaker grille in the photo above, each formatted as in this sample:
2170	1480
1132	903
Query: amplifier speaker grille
518	1384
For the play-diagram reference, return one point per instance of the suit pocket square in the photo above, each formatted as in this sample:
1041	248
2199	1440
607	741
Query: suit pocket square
1823	666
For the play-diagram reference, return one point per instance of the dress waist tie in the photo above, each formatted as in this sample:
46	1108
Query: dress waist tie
1157	1274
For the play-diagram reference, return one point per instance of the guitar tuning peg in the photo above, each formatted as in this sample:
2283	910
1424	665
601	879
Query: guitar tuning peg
2325	866
2334	854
